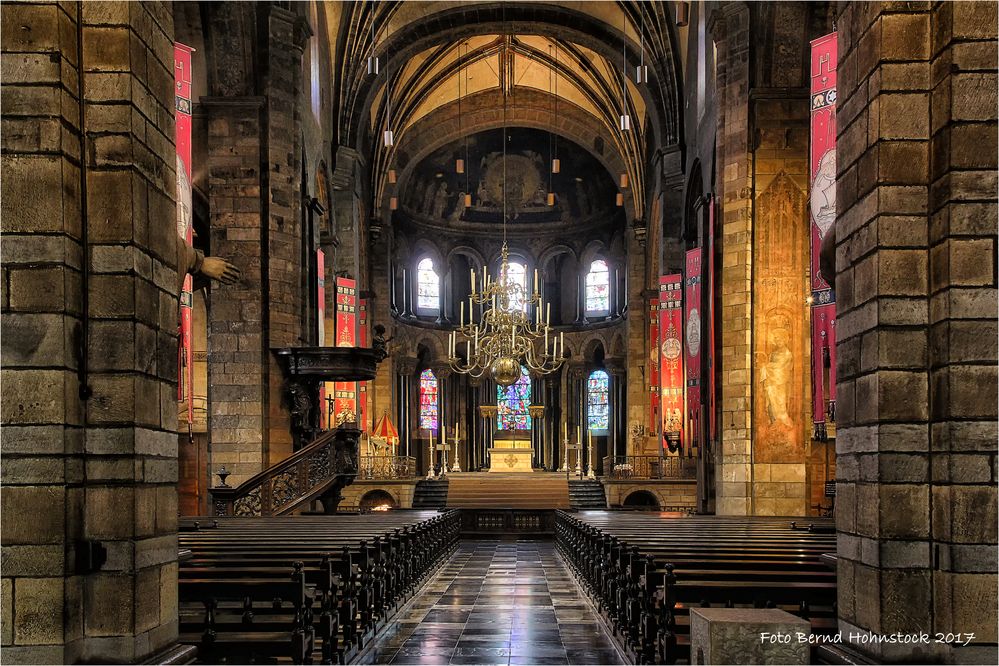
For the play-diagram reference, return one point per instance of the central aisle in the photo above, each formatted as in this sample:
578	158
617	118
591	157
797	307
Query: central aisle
497	602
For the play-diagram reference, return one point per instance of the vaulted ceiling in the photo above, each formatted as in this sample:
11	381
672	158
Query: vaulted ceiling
567	67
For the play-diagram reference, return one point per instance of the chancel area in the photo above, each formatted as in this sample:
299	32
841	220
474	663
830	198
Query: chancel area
521	332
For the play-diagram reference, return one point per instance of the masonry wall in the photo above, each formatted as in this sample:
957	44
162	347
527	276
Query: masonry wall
916	447
89	258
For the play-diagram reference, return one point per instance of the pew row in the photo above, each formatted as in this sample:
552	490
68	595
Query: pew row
645	571
302	588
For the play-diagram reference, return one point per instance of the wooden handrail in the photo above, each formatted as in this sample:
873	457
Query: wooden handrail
299	478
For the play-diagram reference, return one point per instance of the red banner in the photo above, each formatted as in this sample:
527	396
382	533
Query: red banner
345	398
654	423
671	359
185	218
692	328
321	327
710	343
822	209
364	337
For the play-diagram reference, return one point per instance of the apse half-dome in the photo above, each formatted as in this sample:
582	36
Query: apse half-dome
436	193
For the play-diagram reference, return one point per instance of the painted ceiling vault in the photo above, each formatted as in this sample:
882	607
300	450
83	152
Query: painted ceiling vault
570	59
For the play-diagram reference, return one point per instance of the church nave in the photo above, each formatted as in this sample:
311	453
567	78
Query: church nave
509	601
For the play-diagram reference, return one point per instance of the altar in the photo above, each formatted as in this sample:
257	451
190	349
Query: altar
511	455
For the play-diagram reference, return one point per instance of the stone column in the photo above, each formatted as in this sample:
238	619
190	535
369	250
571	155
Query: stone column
236	374
89	504
916	301
731	36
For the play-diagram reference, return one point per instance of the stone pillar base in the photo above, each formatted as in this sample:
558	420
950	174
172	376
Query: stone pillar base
748	636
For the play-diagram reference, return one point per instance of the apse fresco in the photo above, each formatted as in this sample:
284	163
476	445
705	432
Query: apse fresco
512	403
428	401
781	359
597	401
583	188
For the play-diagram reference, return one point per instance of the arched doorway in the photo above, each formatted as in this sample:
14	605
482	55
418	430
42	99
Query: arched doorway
642	500
376	500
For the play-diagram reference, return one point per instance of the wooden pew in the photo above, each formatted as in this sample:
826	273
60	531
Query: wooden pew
353	571
646	571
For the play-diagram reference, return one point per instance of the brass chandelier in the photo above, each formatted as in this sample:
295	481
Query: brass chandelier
504	337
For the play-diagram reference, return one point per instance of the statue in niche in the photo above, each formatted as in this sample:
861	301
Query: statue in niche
775	375
440	201
428	196
459	207
482	194
379	343
540	197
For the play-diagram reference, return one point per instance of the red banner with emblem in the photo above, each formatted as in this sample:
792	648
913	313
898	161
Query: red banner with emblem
321	328
654	423
345	398
185	218
822	213
671	359
692	329
364	337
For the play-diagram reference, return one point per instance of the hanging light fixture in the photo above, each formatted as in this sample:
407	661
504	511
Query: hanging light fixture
388	138
682	14
393	203
459	166
619	200
625	117
623	182
642	70
550	198
464	161
372	59
556	163
504	338
392	177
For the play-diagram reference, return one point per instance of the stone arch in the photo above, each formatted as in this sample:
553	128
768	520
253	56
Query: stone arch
642	499
463	21
377	497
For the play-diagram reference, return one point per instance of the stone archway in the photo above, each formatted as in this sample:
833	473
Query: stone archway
374	500
644	500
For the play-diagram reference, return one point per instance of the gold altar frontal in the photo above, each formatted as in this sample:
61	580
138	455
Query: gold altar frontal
511	456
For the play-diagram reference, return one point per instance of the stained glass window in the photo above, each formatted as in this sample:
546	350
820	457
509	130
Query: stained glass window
598	287
428	286
428	400
517	274
512	403
597	401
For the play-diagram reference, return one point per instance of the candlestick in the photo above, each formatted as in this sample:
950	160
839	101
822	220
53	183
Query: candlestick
462	314
589	471
430	464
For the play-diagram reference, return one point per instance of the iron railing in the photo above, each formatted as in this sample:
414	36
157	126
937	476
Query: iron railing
387	467
649	467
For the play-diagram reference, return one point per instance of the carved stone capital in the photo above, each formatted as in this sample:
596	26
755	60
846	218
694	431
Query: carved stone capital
406	365
536	411
488	411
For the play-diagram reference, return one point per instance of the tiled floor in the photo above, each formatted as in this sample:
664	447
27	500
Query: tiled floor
497	602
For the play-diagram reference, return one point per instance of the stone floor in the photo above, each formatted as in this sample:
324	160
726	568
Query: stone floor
497	602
